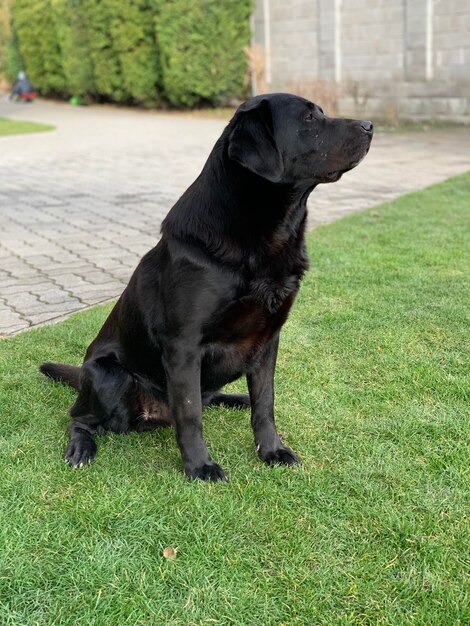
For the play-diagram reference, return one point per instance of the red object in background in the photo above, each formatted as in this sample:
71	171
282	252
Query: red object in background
28	96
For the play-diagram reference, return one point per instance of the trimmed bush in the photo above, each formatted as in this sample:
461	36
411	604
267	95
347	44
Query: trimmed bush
134	43
201	44
146	51
39	45
5	34
72	38
13	61
108	82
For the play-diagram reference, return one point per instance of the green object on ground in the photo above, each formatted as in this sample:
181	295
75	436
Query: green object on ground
372	390
20	127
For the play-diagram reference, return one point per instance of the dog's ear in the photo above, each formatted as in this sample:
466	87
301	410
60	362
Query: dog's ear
251	142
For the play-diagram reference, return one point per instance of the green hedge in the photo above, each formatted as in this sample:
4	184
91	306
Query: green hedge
149	52
39	44
12	62
201	46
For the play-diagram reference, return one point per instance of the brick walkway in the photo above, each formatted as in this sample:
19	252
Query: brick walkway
80	205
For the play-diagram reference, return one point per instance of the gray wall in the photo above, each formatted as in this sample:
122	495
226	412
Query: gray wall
390	58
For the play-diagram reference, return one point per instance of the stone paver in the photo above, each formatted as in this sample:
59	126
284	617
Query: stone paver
80	205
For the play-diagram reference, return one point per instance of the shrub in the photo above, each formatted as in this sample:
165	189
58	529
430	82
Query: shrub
201	44
72	37
13	60
145	51
134	44
5	35
108	83
39	45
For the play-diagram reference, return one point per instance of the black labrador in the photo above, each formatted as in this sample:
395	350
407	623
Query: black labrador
206	305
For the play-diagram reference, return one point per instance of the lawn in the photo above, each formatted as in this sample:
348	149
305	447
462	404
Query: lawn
372	393
20	127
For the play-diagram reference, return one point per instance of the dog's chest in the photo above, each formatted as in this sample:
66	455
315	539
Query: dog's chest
275	276
268	286
271	292
248	323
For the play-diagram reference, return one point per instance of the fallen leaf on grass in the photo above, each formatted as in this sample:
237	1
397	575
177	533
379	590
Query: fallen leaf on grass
169	553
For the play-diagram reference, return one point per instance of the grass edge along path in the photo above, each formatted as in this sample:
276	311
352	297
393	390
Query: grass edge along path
9	126
372	392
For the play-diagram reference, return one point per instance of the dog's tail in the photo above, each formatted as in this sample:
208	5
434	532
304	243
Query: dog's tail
69	374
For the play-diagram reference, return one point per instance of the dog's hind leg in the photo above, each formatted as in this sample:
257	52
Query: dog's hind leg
230	400
105	401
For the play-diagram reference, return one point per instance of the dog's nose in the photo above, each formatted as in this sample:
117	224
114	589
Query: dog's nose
367	126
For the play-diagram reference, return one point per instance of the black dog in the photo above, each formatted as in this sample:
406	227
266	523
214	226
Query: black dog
206	305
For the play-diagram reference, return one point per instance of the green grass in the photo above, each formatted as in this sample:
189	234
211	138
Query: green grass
20	127
372	392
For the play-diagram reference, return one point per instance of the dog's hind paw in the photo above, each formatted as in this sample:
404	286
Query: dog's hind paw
209	471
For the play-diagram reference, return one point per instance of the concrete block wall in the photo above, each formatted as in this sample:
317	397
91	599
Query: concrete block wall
294	46
371	40
398	58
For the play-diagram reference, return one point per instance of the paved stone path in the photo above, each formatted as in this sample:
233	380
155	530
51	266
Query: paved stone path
80	205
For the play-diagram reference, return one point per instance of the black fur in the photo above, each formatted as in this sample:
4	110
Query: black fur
69	374
206	305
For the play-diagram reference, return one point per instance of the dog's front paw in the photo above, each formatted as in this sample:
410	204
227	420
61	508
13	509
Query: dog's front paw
81	451
209	471
281	456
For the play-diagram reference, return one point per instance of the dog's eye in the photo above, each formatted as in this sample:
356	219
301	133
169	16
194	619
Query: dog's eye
309	117
321	110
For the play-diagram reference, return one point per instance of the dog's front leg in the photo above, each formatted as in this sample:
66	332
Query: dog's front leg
261	387
183	373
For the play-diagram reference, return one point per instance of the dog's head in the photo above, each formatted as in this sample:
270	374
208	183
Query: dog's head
286	139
